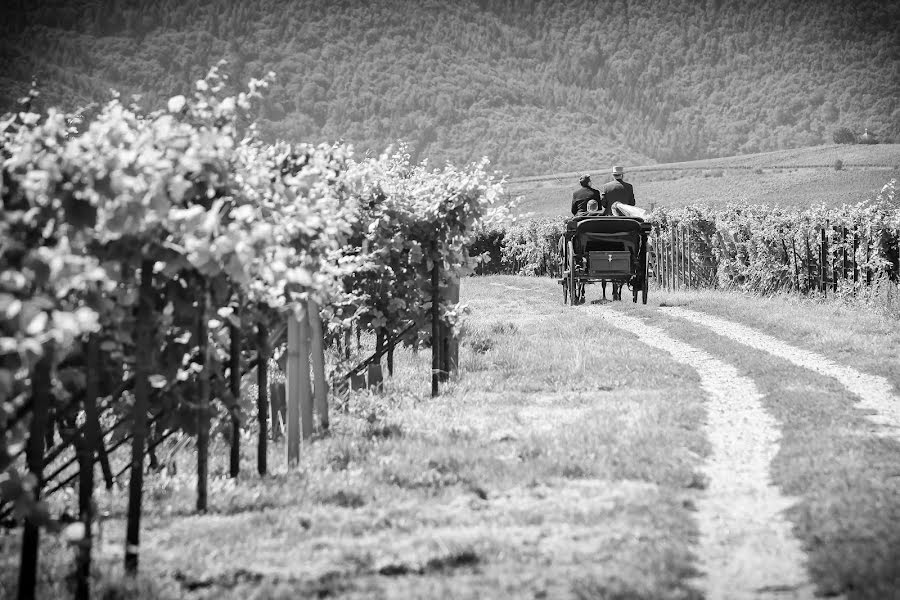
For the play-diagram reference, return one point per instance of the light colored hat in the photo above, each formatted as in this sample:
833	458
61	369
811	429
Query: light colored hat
618	170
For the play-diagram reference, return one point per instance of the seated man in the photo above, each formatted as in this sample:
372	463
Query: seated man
582	196
617	190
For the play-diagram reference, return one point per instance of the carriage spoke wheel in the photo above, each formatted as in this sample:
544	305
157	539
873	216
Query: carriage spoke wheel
564	279
573	289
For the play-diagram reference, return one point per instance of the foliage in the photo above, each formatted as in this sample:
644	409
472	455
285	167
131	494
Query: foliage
844	135
754	248
532	85
766	249
148	231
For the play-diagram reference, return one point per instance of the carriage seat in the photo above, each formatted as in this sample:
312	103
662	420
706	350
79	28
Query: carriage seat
605	233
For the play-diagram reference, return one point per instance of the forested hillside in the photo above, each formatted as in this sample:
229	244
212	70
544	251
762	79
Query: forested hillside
537	85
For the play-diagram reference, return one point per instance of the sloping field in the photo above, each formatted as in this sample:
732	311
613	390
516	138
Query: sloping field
610	450
798	177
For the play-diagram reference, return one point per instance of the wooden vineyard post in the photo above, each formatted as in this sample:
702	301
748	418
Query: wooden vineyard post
34	458
262	396
435	329
868	258
690	279
670	261
306	398
139	415
89	439
234	380
844	266
656	257
317	350
449	346
855	263
679	257
823	272
299	396
292	385
203	400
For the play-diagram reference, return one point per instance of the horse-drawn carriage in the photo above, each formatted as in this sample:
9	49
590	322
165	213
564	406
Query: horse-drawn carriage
605	249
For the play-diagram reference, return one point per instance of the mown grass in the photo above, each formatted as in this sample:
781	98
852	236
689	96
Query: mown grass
845	331
561	463
843	472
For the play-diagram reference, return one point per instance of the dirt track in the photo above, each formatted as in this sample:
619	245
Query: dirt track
746	549
874	392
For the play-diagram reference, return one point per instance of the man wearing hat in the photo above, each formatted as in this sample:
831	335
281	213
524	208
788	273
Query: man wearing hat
617	190
584	195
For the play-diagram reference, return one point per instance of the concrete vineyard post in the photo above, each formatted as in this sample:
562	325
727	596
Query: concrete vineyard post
317	348
139	416
34	458
262	399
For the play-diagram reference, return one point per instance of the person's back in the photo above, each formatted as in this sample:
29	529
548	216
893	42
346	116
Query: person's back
583	195
617	190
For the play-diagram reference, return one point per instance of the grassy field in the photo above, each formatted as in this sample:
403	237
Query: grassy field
562	463
799	177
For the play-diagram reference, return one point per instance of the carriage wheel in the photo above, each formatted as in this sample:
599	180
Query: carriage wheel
573	289
564	279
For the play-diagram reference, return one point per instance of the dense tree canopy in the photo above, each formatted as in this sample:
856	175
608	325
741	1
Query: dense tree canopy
537	85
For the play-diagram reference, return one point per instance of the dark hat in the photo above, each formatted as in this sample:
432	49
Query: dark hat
584	179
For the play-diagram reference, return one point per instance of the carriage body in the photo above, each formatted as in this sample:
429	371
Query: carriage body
604	249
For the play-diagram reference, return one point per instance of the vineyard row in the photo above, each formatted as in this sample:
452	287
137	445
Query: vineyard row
759	249
145	258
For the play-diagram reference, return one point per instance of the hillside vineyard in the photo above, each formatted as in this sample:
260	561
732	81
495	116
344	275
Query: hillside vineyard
539	86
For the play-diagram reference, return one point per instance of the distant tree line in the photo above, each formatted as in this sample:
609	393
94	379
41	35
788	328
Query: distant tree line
537	85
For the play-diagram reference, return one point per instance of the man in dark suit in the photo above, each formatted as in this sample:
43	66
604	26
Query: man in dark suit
617	190
581	197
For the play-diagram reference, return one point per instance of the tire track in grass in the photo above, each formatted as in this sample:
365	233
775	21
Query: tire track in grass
746	548
875	393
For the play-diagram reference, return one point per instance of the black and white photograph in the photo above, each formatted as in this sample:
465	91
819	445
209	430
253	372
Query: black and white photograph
437	299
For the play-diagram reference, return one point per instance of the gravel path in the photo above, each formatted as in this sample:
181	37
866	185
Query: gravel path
746	549
875	392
